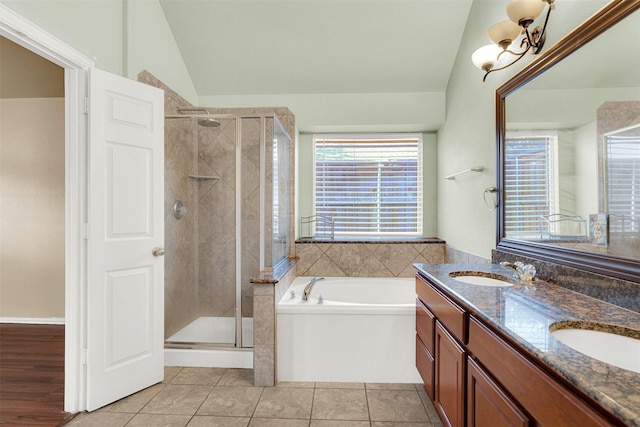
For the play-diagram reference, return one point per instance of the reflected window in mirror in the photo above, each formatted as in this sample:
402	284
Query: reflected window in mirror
531	190
540	200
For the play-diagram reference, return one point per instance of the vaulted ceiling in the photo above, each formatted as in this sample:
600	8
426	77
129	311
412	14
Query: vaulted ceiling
317	46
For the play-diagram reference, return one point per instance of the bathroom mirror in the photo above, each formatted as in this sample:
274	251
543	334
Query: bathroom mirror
568	149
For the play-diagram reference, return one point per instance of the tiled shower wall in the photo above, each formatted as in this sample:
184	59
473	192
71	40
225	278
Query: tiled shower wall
181	289
216	222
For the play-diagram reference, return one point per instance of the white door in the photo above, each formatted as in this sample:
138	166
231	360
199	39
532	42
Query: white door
125	296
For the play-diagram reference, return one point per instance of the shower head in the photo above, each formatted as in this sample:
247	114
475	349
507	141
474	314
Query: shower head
209	122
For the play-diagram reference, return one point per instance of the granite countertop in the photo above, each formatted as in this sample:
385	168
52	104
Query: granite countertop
524	312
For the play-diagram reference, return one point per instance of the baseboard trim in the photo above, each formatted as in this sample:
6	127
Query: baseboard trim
34	320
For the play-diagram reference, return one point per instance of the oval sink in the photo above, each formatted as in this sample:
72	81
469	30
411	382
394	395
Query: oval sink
481	279
612	348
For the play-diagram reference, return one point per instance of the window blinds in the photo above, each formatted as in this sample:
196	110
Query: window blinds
529	185
623	183
370	186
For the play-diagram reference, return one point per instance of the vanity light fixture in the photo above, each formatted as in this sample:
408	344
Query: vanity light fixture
507	33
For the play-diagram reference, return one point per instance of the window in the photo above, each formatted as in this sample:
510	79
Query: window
369	184
623	182
531	194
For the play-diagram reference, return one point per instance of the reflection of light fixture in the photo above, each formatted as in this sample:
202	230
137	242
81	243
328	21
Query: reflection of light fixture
521	14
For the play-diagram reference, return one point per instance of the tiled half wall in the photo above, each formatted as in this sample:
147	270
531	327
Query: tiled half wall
356	259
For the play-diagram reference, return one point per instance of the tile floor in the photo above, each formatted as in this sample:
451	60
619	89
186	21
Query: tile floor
227	397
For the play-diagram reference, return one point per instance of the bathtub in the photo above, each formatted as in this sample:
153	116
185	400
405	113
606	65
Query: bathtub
363	331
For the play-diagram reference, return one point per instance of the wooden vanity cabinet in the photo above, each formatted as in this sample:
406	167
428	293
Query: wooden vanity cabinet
477	378
450	364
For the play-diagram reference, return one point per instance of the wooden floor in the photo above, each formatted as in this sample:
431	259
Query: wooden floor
32	375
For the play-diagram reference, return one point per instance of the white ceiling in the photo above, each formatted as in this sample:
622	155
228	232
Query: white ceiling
237	47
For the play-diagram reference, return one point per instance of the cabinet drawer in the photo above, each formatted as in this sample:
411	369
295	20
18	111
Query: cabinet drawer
447	311
548	402
425	365
425	324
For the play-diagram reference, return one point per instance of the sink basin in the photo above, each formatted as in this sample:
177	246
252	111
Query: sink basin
614	348
481	279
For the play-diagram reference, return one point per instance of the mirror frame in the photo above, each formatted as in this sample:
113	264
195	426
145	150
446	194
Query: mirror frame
621	268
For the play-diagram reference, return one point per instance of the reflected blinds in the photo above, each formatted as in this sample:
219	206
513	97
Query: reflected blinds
530	191
370	186
623	183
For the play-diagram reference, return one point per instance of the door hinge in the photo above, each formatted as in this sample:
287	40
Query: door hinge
86	105
84	230
83	356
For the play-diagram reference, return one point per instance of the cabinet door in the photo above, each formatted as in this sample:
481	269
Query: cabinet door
487	404
450	378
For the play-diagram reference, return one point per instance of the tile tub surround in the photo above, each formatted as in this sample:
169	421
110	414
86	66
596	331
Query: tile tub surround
623	293
366	258
457	256
516	311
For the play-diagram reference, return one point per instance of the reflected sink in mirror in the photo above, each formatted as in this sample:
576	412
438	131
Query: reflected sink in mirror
620	347
480	278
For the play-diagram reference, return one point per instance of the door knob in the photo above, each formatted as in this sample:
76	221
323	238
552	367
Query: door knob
157	251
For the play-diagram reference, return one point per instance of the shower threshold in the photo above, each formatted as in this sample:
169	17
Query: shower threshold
210	342
213	330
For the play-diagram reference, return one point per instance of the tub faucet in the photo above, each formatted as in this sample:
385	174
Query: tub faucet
307	289
525	272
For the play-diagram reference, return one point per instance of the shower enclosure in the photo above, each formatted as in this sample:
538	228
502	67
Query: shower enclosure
226	219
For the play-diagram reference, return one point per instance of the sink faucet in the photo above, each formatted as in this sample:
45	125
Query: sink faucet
307	289
510	265
525	272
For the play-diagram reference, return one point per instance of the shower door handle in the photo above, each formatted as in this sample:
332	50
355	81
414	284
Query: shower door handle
157	251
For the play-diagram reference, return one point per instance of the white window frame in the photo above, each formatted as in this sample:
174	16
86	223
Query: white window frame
420	179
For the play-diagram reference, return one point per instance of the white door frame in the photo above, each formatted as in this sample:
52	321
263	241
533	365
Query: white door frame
76	66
